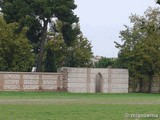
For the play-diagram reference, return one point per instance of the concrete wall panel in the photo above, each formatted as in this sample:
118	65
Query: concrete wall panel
119	86
106	81
119	81
119	76
93	76
77	75
82	85
98	70
119	71
111	79
119	91
75	70
78	80
49	87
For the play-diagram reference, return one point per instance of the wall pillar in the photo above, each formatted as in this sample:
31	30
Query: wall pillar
40	82
88	79
1	81
109	80
21	82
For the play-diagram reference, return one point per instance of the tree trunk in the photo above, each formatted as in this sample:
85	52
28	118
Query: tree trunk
159	83
42	45
141	85
149	84
50	61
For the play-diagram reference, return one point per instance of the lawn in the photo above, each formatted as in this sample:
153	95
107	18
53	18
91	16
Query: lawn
71	106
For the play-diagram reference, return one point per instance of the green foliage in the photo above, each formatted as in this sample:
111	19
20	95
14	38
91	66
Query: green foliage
50	62
36	14
55	53
140	51
15	50
105	62
80	53
77	55
158	1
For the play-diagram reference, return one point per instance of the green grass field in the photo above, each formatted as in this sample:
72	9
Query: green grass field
69	106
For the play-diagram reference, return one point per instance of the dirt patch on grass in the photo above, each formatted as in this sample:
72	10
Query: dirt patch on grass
75	101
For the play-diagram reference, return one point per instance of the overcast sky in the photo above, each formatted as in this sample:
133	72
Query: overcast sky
102	20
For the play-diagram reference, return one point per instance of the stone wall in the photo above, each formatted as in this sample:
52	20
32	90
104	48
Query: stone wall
76	80
85	80
142	85
156	85
18	81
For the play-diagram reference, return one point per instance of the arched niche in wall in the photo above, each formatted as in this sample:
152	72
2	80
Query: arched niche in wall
98	83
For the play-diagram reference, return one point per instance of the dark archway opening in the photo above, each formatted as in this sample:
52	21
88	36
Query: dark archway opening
98	83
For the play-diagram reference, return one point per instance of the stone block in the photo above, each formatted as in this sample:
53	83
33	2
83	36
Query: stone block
74	85
119	91
119	81
119	86
92	80
155	89
11	82
1	76
50	77
77	70
92	90
49	82
30	77
156	83
119	71
77	75
11	76
107	89
77	80
105	80
92	84
99	70
104	76
119	76
30	82
49	87
30	87
11	87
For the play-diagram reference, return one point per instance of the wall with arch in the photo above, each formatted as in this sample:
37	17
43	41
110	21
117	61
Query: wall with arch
75	80
91	80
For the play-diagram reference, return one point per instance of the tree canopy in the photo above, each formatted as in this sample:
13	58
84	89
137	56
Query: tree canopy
105	63
15	50
140	51
36	14
58	54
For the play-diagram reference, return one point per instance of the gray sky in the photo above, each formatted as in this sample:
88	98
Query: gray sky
102	20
